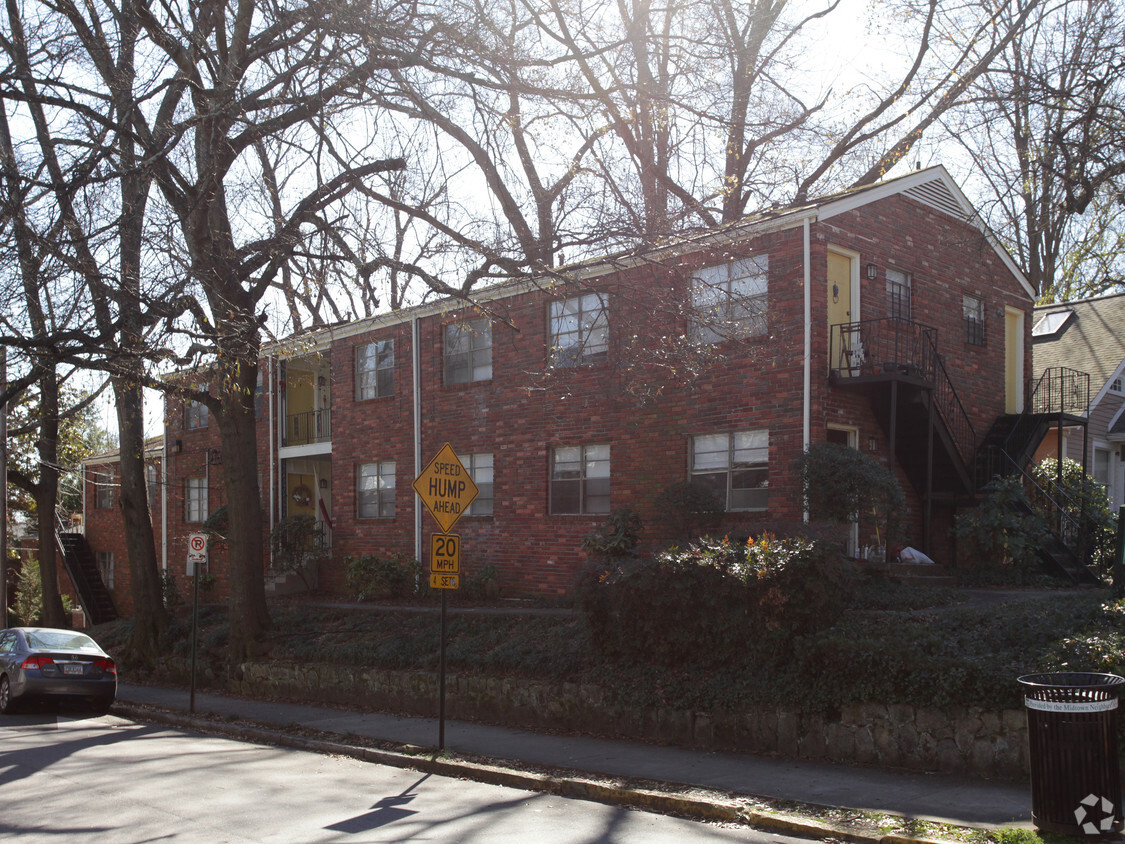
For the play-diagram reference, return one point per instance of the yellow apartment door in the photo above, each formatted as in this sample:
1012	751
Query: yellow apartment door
839	304
1013	361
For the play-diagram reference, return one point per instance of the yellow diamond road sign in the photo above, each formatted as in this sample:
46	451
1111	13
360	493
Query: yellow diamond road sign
445	488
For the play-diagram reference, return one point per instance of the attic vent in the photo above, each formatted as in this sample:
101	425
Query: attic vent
936	194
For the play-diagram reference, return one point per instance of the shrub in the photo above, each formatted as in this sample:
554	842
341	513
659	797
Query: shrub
616	538
483	583
295	542
29	594
844	485
688	509
1002	533
371	576
714	601
1084	500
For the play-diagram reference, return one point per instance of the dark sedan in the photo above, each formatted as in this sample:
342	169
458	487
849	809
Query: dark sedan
44	663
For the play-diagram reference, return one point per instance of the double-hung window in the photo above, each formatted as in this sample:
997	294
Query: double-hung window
735	466
468	351
479	467
103	490
375	490
898	294
579	330
972	307
195	499
729	302
374	369
580	479
195	415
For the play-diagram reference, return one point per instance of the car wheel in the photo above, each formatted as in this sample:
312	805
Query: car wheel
6	704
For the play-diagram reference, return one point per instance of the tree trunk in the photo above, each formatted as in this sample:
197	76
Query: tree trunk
149	617
47	496
249	616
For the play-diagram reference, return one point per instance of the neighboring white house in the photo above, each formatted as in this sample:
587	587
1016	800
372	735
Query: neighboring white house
1089	335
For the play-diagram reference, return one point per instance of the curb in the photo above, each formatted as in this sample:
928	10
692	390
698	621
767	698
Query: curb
728	809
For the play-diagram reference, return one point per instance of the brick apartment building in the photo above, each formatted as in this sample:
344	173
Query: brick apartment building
870	318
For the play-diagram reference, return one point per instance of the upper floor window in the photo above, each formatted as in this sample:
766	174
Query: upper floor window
375	369
579	330
479	467
1117	385
898	294
735	466
375	490
195	500
195	415
729	301
580	479
973	309
468	351
103	485
1101	470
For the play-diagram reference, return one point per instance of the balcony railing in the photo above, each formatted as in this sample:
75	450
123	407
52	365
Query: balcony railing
899	348
313	426
1060	390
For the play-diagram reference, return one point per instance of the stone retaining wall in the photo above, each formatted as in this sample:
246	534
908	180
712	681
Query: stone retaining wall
967	740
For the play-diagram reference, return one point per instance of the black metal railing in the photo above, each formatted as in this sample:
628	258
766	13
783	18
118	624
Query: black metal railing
1060	390
897	348
314	426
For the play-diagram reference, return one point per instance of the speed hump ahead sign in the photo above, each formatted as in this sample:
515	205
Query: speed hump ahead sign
445	488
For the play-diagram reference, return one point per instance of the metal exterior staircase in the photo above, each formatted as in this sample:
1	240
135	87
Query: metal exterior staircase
83	570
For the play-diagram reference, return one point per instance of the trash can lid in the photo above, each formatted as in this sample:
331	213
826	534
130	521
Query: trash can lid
1065	685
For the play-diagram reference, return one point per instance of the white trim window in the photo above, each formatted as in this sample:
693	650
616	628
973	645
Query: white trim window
196	415
468	351
972	308
195	499
104	483
898	294
580	479
579	330
374	369
735	466
729	301
375	490
479	467
1102	469
1117	385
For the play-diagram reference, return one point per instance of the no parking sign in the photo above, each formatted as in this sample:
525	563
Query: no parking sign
197	551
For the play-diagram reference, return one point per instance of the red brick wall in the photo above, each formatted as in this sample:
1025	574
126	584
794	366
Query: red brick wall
645	406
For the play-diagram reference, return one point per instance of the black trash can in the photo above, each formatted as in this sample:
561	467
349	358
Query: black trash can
1072	738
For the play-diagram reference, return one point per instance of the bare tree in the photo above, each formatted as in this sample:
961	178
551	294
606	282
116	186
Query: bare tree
1046	135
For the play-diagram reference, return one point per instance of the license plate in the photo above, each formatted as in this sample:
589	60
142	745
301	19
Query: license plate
72	669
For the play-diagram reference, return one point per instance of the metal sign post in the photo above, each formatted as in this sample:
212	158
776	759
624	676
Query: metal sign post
446	490
196	559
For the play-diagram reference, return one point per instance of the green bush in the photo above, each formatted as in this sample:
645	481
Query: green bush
616	538
1001	534
844	485
1084	500
686	510
29	594
371	576
714	601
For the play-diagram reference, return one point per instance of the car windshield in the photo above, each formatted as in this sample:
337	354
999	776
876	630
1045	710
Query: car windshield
60	640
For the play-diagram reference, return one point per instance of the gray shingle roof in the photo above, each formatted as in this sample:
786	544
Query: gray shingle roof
1093	340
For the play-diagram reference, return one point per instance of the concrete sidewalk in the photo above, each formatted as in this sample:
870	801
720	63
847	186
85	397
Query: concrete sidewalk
956	800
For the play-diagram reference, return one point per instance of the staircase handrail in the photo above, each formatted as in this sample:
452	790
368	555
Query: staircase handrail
1069	528
949	405
1060	389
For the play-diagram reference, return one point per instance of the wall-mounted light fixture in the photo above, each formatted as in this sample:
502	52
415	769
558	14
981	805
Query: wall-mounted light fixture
872	272
324	483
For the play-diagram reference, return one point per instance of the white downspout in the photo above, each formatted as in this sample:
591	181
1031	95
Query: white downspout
416	377
806	433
